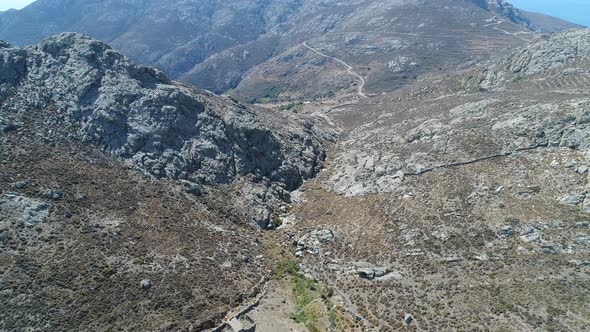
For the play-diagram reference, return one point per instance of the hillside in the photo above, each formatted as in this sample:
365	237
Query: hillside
462	200
255	47
392	165
122	192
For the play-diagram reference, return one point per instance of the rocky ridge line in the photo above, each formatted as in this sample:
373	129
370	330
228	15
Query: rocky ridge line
73	87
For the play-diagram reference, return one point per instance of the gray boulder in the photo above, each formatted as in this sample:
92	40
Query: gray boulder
375	272
146	284
52	194
506	231
242	323
572	199
393	275
367	273
531	237
312	242
324	235
582	239
408	319
550	248
7	127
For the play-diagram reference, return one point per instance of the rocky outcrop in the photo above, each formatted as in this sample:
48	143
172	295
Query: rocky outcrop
507	10
366	271
312	242
23	210
530	20
389	151
546	53
73	86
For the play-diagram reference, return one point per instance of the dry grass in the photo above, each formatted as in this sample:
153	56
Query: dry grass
84	272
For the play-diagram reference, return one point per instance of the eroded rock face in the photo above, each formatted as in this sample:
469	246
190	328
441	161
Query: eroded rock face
546	53
509	11
80	88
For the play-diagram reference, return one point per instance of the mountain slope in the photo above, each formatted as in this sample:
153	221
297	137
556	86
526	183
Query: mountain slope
170	34
129	201
167	129
389	43
218	44
463	195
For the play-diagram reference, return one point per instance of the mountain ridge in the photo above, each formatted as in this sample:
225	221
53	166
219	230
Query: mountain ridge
193	40
466	192
412	165
166	129
123	192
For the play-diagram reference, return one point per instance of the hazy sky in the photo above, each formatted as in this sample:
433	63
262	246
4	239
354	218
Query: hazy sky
574	10
18	4
577	11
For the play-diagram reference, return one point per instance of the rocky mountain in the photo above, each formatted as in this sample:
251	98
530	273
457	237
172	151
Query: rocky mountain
255	47
123	192
155	32
167	129
461	202
432	175
434	140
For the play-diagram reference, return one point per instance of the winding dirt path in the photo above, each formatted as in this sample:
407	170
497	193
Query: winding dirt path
514	34
349	69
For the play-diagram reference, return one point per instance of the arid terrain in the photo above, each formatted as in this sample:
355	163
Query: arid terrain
461	200
393	165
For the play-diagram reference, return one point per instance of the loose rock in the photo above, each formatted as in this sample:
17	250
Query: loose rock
52	194
6	128
582	239
572	199
408	319
506	231
550	249
146	284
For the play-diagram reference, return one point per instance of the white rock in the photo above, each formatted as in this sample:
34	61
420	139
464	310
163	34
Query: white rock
27	210
574	199
531	237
